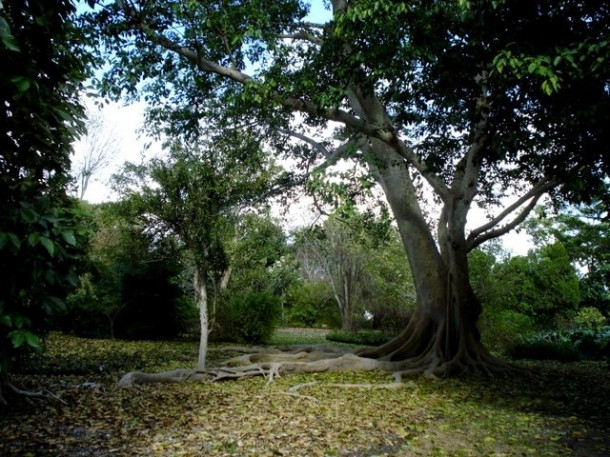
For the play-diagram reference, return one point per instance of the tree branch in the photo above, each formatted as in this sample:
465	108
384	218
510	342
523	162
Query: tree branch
302	35
383	131
485	232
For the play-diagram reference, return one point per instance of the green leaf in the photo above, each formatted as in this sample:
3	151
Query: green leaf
23	84
6	320
13	239
7	37
17	338
33	239
47	243
69	237
546	88
32	340
58	303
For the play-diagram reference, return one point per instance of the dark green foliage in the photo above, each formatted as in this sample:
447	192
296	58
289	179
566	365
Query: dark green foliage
360	337
130	286
584	230
523	293
567	345
145	303
249	317
310	304
257	250
592	343
41	229
150	298
562	351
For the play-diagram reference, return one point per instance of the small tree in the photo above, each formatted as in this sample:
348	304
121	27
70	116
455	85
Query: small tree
341	253
193	193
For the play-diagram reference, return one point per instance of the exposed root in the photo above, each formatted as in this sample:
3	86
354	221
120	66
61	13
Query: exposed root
303	386
427	351
268	365
6	384
136	377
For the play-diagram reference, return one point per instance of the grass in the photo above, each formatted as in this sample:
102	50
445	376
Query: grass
562	411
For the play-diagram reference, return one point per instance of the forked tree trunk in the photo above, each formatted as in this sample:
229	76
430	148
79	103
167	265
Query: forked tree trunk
441	337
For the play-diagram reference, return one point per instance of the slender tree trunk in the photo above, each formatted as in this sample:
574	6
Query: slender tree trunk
201	293
220	285
348	304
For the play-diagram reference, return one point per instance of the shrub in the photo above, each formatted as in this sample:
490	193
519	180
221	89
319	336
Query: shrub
503	328
589	318
248	318
310	304
544	350
565	345
361	337
593	343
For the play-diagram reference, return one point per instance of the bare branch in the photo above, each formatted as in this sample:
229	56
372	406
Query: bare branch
302	35
487	231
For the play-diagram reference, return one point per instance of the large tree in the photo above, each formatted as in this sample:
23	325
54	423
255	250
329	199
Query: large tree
467	101
42	71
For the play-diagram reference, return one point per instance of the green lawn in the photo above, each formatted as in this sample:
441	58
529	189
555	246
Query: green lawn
563	410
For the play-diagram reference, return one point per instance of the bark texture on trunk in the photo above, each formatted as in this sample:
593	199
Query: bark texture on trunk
442	337
201	293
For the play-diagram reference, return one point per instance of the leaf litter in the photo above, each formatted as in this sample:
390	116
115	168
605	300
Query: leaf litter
564	410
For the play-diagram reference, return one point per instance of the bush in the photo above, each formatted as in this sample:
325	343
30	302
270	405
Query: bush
544	350
361	337
310	304
593	343
589	318
503	328
565	346
249	318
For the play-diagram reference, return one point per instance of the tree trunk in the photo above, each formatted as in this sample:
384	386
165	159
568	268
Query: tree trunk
442	337
201	293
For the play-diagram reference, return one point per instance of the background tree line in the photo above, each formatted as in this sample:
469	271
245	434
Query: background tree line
343	274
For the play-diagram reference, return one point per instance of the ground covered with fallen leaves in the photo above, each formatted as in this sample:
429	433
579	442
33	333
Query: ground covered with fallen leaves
563	410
